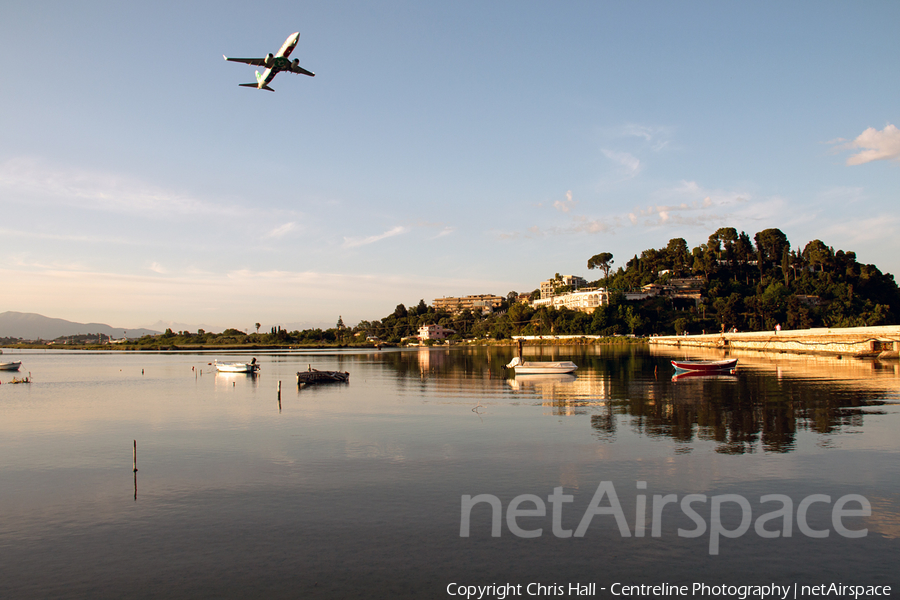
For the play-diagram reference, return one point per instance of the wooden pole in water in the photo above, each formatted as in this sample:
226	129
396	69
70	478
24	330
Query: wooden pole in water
134	456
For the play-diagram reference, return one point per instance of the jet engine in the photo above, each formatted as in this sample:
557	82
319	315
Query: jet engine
270	60
295	62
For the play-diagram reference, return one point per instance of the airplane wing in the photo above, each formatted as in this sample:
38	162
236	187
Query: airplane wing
257	62
301	71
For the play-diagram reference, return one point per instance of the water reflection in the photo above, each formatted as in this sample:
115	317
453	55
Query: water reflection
759	408
354	490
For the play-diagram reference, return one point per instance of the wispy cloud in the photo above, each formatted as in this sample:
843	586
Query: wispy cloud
588	225
281	231
71	237
875	145
657	137
565	205
443	229
629	165
350	242
444	232
860	230
685	204
698	212
31	179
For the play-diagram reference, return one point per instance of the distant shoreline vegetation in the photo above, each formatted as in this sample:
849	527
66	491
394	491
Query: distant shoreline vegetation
743	284
187	342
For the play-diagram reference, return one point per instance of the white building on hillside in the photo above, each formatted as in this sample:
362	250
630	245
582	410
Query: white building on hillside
586	301
434	332
573	281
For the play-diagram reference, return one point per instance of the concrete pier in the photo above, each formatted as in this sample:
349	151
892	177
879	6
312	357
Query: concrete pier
881	342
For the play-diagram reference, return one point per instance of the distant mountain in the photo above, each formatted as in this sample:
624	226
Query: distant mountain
31	326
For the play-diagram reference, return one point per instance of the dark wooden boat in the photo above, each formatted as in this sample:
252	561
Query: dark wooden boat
316	376
705	365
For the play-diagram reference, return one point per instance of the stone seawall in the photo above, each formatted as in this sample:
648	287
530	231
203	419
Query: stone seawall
882	342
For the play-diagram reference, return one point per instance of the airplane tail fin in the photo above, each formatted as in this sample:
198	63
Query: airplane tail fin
259	79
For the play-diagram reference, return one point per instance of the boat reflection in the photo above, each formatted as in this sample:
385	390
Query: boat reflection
539	380
767	406
728	375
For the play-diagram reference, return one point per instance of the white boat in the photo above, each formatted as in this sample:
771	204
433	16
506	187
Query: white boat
250	367
11	366
535	367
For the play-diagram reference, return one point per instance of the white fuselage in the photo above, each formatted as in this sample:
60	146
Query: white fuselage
280	61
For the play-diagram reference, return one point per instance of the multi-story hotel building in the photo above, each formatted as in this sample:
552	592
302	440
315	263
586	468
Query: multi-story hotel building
586	300
573	281
480	303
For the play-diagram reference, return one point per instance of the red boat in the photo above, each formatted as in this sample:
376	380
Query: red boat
706	366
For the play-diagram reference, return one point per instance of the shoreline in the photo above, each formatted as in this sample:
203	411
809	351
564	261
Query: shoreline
881	342
860	342
549	340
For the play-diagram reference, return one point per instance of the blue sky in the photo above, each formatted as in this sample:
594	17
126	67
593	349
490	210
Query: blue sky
442	148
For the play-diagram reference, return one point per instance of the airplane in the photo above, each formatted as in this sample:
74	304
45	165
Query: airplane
274	64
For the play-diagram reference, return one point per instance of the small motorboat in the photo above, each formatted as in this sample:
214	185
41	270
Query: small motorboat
10	366
250	367
705	366
540	368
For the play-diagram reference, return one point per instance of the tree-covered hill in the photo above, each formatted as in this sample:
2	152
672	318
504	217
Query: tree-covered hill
754	285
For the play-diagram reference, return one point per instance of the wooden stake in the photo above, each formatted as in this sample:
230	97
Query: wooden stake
134	456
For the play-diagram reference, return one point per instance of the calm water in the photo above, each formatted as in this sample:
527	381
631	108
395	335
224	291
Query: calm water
355	491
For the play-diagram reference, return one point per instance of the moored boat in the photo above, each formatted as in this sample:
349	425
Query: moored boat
540	367
317	376
705	365
11	366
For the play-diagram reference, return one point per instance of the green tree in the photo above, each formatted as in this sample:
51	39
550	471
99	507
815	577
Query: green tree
770	244
679	255
602	261
817	255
